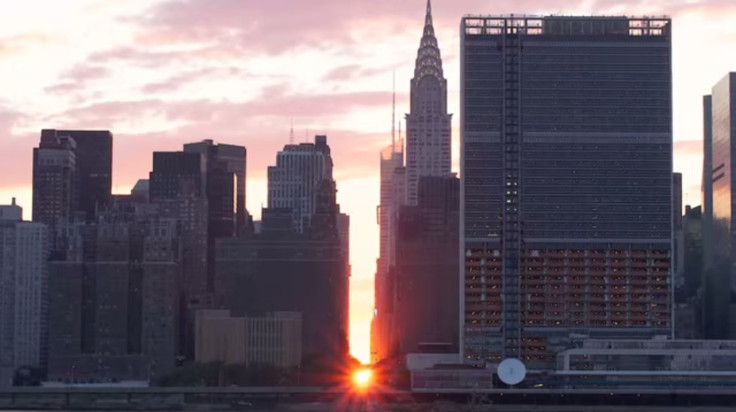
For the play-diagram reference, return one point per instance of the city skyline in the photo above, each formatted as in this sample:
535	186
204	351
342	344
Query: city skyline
161	76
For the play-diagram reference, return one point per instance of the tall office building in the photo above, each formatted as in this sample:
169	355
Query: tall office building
176	175
94	168
566	193
293	181
92	163
24	252
719	276
392	160
224	189
428	125
678	245
426	287
55	183
692	224
224	194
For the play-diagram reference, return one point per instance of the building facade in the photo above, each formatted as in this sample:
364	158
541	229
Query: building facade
224	160
55	181
719	277
428	125
279	270
293	181
391	200
566	159
426	288
275	339
24	253
114	299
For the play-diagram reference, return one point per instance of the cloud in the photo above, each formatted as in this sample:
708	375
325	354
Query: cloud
18	44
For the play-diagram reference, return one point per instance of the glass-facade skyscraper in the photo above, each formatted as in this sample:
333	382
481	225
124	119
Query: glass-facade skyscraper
566	166
719	277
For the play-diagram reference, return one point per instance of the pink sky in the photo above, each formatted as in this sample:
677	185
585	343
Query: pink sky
161	73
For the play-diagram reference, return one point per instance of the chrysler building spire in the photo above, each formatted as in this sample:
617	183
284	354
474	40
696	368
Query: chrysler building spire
428	123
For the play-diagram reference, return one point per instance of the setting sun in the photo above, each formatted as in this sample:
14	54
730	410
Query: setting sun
362	378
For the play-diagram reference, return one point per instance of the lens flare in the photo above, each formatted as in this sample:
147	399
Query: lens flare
362	378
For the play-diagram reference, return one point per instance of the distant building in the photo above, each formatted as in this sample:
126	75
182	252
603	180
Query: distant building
426	289
141	190
114	298
80	162
219	337
428	125
693	249
678	257
24	252
280	270
293	181
566	167
719	277
55	180
274	340
225	193
224	189
94	168
177	174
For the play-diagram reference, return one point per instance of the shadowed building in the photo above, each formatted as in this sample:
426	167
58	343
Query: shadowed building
719	276
55	181
426	289
566	166
114	299
280	270
80	162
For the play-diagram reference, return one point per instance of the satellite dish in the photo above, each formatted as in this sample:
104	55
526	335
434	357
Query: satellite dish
511	371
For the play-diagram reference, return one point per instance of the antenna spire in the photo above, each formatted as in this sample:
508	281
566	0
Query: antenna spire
393	114
428	18
291	132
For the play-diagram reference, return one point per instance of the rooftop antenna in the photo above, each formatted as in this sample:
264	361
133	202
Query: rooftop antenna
291	132
393	114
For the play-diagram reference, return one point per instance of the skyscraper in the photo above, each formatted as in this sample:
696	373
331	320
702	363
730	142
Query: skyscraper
719	276
24	251
224	160
176	175
426	287
678	246
428	125
55	183
566	160
293	181
392	160
94	168
91	182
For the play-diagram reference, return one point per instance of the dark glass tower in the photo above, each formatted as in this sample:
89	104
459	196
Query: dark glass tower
719	276
566	183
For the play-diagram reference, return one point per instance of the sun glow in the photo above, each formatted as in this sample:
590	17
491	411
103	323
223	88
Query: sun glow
363	378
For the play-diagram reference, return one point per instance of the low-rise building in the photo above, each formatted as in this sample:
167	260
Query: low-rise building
275	339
